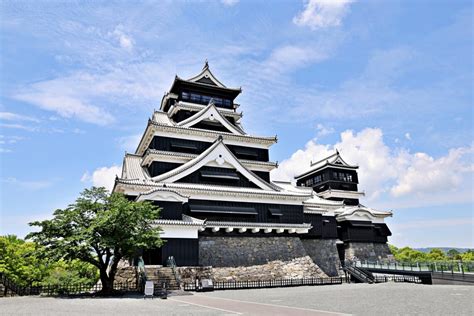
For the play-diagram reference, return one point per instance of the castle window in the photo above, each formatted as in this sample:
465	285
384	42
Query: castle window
206	99
195	97
185	96
317	179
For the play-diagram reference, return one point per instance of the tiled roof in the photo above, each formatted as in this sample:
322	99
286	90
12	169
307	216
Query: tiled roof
349	210
254	224
132	168
192	156
330	160
209	188
213	113
186	221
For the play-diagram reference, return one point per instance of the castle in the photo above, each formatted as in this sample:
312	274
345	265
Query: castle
219	205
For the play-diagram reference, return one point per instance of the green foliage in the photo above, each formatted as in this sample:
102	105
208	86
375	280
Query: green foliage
407	254
74	272
19	261
23	263
468	255
436	255
100	229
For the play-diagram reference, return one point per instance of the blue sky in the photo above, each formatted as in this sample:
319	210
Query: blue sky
389	84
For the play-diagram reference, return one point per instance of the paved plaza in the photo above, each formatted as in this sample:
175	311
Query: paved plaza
355	299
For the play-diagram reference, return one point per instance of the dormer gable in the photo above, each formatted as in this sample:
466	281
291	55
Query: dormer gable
212	115
207	77
218	155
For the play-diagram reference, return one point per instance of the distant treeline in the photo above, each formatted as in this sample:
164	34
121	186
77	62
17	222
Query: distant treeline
407	254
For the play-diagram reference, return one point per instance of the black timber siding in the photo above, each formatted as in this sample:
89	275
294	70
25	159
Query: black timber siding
211	126
291	213
377	233
170	210
323	226
196	177
185	252
157	167
181	115
265	175
241	152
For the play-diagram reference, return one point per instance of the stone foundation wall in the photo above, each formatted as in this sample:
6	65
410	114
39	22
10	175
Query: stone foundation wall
127	275
297	268
189	274
248	251
367	251
324	253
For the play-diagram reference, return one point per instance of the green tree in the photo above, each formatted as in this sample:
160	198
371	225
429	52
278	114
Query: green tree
408	254
74	272
436	254
20	262
468	255
454	254
100	229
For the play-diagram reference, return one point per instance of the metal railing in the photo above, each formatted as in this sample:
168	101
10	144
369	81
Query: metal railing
142	277
358	273
435	266
397	278
13	289
257	284
172	264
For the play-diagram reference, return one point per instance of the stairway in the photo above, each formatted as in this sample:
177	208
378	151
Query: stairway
359	274
160	275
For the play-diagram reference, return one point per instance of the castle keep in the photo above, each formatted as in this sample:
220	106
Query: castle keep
219	205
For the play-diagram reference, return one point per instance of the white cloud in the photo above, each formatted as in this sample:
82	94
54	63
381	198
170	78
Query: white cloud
424	174
27	184
371	92
229	3
290	57
392	177
408	136
59	96
320	14
125	41
103	177
8	140
129	143
323	130
91	96
19	126
8	116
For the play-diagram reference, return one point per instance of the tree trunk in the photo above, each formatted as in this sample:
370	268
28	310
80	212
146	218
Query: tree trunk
107	279
107	282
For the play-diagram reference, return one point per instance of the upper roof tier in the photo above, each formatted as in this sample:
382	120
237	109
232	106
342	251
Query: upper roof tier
334	160
204	84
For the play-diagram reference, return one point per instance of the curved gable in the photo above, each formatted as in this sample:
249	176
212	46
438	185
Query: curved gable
218	154
210	113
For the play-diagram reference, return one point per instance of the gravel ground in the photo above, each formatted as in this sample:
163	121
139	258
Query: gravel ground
357	299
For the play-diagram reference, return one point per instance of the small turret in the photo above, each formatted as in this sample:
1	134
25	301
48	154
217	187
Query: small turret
333	179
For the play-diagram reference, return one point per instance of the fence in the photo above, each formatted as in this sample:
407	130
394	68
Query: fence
11	288
397	278
435	266
237	285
